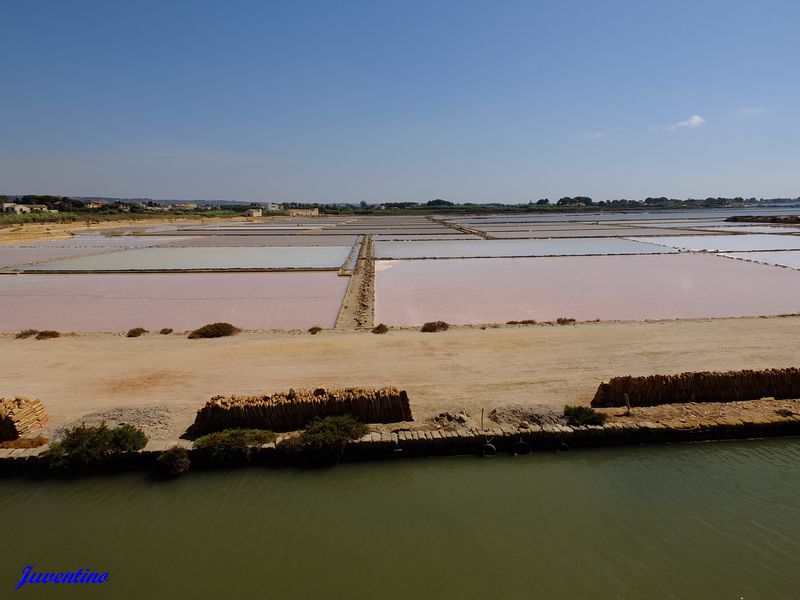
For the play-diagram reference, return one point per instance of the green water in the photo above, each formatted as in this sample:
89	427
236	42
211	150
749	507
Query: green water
717	520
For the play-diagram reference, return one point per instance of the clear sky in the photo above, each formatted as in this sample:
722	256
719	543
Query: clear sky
343	101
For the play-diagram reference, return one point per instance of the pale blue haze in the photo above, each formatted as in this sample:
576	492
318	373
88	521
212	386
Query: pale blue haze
344	101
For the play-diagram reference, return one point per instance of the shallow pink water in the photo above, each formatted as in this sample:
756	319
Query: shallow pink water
495	290
181	301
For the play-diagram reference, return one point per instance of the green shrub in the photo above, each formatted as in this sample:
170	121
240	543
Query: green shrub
380	328
85	446
214	330
565	320
136	332
173	462
323	440
26	333
434	326
583	415
165	331
47	334
232	445
314	330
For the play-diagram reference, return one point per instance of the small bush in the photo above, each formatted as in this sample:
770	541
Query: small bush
512	322
214	330
47	335
323	440
380	328
232	445
565	320
583	415
314	330
173	462
165	331
136	332
87	446
127	438
26	333
528	322
434	326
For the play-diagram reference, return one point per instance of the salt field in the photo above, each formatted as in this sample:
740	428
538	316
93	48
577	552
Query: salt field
782	259
620	266
728	243
118	302
495	290
495	248
219	258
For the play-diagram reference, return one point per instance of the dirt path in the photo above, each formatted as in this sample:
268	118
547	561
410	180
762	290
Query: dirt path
358	306
461	369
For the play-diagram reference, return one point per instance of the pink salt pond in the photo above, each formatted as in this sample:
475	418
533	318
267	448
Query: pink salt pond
105	302
495	290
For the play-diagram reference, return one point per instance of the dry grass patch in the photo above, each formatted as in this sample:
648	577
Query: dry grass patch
136	332
435	326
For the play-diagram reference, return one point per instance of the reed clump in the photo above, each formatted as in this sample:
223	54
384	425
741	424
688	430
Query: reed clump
26	333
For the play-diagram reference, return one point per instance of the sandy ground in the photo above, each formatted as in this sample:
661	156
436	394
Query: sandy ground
26	232
461	369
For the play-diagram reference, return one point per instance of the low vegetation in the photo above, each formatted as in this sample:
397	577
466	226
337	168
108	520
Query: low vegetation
434	326
231	446
525	322
47	334
565	320
323	440
314	330
583	415
380	328
173	462
214	330
86	446
26	333
165	331
136	332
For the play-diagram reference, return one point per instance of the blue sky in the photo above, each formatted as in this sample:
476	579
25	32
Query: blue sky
343	101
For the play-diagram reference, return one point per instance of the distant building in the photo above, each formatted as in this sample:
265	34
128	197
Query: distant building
93	204
303	212
38	208
185	206
15	209
253	212
272	207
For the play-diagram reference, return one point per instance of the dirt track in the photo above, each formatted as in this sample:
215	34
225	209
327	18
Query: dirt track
464	368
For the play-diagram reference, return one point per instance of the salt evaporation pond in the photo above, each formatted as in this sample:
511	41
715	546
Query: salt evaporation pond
15	255
782	259
159	259
118	302
495	290
728	243
759	229
605	232
264	240
490	248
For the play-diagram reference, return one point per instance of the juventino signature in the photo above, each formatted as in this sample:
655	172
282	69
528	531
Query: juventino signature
79	576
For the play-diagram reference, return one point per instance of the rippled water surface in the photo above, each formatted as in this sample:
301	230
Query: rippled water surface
717	520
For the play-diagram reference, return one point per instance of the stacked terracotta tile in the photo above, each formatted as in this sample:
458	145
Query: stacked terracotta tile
20	417
292	410
703	386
